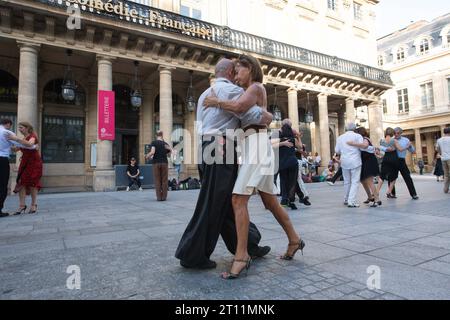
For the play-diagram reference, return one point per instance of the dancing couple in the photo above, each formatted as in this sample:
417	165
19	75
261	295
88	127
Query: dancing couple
227	188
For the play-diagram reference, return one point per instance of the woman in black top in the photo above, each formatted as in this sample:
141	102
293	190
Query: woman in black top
390	164
288	166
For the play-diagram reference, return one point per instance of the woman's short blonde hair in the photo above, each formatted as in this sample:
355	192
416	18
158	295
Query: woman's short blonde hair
27	125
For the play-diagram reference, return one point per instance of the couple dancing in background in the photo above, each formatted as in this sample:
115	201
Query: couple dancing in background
395	146
30	168
227	188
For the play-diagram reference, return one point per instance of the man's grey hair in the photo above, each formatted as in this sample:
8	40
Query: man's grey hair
350	126
286	121
223	66
399	130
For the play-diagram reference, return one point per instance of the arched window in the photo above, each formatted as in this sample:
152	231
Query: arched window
8	87
445	35
53	94
63	136
401	54
127	117
126	144
424	46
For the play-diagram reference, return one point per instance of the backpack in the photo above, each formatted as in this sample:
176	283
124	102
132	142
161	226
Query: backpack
193	184
173	185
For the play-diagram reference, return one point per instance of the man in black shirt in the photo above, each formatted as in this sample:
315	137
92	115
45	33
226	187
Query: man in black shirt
158	153
133	173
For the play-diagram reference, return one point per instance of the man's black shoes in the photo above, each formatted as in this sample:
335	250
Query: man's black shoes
415	198
4	214
261	252
202	266
305	201
292	206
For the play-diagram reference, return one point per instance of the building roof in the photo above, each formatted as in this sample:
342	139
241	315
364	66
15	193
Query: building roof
414	30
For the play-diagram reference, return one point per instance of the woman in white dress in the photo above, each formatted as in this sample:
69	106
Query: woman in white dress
256	172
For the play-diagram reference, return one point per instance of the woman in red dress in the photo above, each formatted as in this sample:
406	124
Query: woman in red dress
30	170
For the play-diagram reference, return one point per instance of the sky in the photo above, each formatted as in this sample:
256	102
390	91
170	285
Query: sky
393	15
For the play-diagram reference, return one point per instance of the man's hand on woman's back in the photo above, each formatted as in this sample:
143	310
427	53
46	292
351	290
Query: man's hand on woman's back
266	118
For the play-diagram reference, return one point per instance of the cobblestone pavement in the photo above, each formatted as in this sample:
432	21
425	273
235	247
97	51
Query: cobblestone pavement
124	244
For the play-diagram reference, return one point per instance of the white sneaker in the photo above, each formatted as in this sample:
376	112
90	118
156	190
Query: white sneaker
331	183
353	205
140	189
128	189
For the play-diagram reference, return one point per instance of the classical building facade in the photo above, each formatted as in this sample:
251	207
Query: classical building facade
418	58
167	45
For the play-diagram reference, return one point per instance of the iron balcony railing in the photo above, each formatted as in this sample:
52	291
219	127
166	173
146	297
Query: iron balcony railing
225	36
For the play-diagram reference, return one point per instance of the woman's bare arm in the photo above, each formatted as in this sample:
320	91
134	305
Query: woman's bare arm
241	105
276	143
363	145
27	143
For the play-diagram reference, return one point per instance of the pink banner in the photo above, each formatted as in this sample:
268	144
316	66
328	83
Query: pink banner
106	115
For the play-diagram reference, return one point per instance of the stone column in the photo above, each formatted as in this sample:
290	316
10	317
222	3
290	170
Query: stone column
293	108
442	131
341	122
350	112
375	110
91	126
324	129
190	146
315	132
418	144
27	104
146	132
165	103
212	80
430	147
104	174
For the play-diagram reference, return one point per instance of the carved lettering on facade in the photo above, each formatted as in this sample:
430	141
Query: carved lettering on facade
151	16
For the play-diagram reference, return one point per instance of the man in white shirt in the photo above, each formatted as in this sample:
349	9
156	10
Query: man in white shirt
443	148
350	163
213	215
7	140
5	149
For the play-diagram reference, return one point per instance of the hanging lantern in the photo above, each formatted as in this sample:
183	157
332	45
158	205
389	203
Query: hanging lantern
68	88
309	118
190	98
277	114
275	109
136	95
361	113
